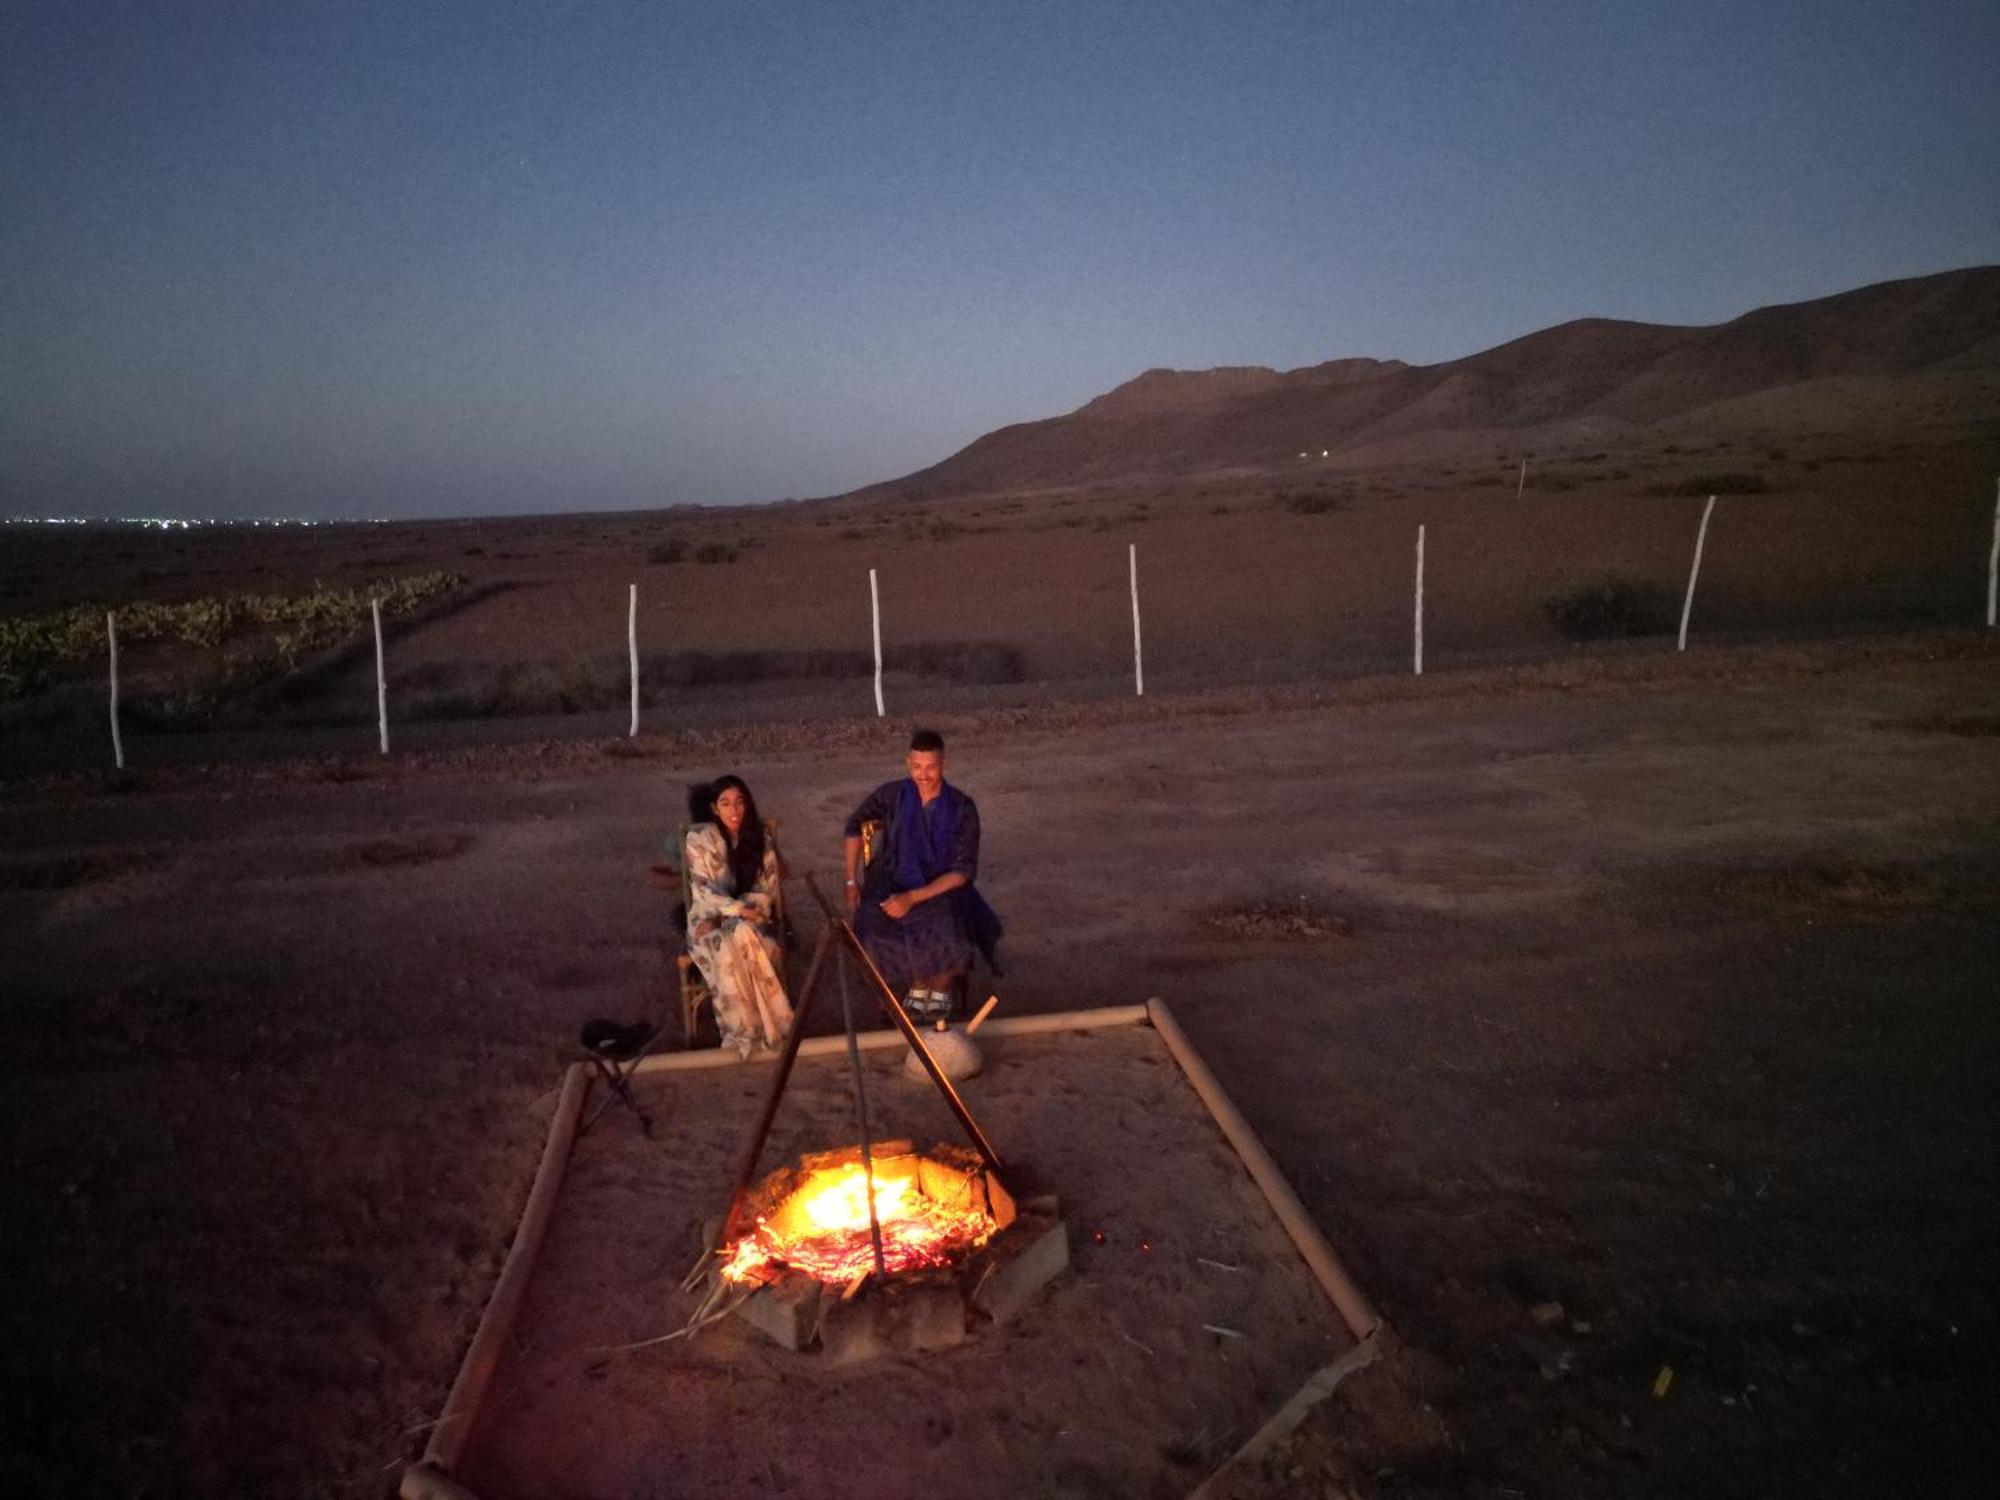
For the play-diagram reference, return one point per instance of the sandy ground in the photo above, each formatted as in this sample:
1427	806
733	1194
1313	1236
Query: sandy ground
1659	989
1107	1384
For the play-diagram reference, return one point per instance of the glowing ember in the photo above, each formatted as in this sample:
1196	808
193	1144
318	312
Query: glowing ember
821	1228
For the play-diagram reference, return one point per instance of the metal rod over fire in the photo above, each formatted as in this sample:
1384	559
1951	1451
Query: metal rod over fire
838	930
839	924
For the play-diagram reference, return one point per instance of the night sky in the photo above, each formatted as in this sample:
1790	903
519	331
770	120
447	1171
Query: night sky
436	257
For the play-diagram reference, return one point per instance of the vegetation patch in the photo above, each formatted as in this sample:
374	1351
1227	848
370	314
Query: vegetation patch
1830	889
423	849
58	873
1306	502
1698	485
33	646
1964	726
1290	921
1614	607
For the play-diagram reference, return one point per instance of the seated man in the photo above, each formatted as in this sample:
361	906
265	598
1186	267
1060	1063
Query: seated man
914	907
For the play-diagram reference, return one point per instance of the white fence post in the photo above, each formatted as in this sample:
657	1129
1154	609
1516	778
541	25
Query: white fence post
875	612
1420	601
1993	560
381	678
1138	660
117	740
632	643
1694	571
1521	484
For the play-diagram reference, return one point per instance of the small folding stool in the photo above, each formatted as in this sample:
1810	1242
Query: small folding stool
614	1053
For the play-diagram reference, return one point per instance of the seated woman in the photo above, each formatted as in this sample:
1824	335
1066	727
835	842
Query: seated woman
732	887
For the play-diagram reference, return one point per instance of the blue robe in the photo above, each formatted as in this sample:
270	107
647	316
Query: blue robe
917	845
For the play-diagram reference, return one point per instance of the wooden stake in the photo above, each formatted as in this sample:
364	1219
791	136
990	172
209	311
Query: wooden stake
1521	485
1420	602
875	610
381	679
632	644
1138	661
1694	571
118	741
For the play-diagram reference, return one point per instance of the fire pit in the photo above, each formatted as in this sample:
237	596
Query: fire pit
957	1249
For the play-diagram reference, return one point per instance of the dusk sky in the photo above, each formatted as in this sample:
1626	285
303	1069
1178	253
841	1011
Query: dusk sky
439	257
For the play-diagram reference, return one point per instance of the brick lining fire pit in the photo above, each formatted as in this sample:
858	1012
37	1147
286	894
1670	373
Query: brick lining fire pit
960	1252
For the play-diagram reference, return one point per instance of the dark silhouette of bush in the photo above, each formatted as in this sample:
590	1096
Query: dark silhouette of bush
1308	503
715	552
1611	608
1698	485
672	550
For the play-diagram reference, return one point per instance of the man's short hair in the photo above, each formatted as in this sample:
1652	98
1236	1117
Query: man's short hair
927	742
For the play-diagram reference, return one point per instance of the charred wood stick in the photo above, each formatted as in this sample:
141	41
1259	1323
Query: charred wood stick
838	923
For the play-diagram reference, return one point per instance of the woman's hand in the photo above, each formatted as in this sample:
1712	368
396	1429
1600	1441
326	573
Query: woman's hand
901	904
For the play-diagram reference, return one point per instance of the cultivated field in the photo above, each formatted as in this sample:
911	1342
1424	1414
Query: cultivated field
1655	987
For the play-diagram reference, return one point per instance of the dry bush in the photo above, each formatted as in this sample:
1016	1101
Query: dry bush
1295	920
1698	485
1613	607
1827	889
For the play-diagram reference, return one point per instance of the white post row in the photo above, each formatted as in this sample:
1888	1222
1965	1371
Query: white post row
117	740
875	612
632	644
1420	601
1138	660
1694	570
381	679
1993	560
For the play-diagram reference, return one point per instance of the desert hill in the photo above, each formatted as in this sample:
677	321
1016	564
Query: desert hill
1593	376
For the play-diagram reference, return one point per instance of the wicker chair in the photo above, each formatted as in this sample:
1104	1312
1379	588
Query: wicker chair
694	990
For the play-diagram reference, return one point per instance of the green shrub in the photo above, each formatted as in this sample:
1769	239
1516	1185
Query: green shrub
1613	607
33	644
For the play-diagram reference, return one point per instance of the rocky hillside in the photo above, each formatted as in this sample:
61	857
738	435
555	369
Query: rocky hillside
1594	376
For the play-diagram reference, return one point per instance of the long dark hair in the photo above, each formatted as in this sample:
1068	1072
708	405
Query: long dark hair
746	855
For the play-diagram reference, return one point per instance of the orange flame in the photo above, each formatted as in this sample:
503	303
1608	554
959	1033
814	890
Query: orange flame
822	1228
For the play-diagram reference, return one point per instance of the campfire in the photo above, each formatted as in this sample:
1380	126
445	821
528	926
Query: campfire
875	1248
931	1211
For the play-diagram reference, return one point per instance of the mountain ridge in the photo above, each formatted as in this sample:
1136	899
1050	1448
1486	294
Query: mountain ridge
1599	375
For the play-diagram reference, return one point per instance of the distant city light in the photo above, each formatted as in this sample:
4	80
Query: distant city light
185	523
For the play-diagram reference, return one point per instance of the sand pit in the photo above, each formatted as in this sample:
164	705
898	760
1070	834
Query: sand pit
1111	1382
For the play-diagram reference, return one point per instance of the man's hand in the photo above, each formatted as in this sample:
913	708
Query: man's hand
900	905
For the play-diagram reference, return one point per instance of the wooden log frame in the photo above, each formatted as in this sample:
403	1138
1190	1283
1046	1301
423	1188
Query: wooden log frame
430	1477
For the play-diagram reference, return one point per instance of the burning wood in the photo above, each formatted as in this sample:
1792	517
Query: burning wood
933	1210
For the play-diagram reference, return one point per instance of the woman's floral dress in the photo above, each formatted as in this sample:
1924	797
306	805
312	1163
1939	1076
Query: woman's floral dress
729	938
